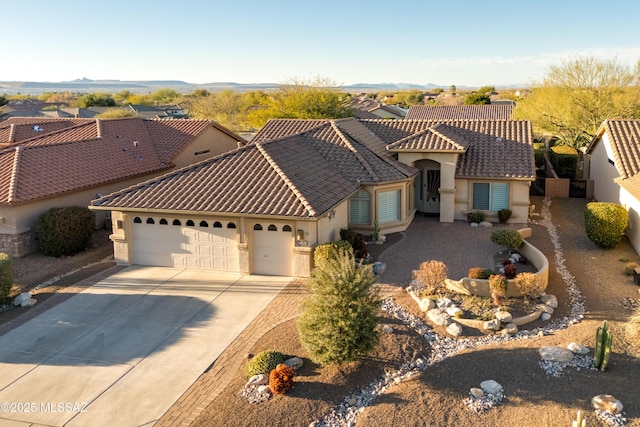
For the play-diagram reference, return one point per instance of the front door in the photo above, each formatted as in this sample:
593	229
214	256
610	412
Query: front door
428	187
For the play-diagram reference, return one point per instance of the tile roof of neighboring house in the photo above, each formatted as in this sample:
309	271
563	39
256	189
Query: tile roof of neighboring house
17	129
624	136
365	106
460	112
82	153
303	174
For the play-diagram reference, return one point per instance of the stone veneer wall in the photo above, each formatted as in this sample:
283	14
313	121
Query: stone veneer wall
16	245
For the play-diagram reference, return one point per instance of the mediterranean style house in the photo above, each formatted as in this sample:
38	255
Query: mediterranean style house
50	163
262	208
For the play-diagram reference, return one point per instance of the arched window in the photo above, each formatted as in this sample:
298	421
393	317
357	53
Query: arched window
176	222
217	224
150	221
137	220
204	224
257	227
163	221
231	225
272	228
359	207
190	223
286	228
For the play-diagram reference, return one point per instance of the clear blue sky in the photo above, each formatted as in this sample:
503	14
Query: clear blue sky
462	42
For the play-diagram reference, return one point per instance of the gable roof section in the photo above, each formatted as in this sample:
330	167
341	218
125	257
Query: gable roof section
301	175
460	112
624	137
440	137
91	153
18	129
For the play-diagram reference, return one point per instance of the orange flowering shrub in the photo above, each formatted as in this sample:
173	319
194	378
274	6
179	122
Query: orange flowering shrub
281	379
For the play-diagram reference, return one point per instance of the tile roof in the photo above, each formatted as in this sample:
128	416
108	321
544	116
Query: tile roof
303	174
17	129
73	154
624	137
460	112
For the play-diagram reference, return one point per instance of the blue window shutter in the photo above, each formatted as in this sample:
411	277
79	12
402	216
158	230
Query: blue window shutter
499	196
481	196
359	208
389	206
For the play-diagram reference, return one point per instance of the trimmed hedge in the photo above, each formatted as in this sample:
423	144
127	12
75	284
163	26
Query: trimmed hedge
564	160
6	276
605	223
65	231
264	362
510	238
328	251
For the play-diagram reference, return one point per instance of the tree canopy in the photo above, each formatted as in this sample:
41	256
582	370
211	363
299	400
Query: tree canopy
576	96
477	98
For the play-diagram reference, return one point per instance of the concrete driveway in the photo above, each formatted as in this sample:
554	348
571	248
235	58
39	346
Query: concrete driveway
124	350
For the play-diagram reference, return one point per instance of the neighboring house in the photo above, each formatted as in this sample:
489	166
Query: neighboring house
262	208
49	163
614	166
369	108
461	112
158	112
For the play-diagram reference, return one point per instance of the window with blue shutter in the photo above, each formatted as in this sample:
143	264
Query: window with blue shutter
389	206
359	207
490	196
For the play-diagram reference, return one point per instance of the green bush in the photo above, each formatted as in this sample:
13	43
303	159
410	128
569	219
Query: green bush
6	276
605	223
564	160
479	273
329	250
348	234
507	237
65	231
504	215
539	158
339	319
475	216
264	362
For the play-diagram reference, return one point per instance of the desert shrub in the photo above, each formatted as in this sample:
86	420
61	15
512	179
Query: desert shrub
564	160
504	215
348	234
65	231
339	319
529	285
359	246
264	362
479	273
510	271
432	275
475	216
630	267
6	276
539	158
605	223
329	250
498	286
507	237
633	329
477	306
281	379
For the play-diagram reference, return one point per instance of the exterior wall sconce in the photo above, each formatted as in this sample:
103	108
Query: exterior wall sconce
300	238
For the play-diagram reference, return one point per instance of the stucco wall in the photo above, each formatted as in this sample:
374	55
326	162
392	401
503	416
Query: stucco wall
518	200
603	173
213	140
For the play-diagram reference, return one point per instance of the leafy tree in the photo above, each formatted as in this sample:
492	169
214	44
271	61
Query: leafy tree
406	99
66	97
453	89
298	99
477	98
98	99
122	97
3	100
165	96
117	113
199	93
487	90
575	98
228	108
339	318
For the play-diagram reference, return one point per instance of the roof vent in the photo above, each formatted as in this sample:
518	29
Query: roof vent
498	139
37	128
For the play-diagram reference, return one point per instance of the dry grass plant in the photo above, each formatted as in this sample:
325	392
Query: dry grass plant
432	275
529	284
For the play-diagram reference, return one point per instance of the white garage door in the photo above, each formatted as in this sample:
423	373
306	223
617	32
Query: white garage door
183	242
273	249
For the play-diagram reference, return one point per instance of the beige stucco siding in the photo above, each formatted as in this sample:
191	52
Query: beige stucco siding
602	172
209	143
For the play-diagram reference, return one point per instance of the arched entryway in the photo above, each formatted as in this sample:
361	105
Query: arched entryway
427	186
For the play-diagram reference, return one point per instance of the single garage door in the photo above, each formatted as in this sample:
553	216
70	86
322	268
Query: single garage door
273	249
185	242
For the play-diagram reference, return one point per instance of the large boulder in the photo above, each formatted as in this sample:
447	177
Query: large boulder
556	354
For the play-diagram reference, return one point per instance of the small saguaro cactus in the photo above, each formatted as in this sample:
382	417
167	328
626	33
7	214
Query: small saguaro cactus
602	351
579	421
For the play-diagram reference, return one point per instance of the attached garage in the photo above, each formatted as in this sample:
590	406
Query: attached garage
273	249
186	242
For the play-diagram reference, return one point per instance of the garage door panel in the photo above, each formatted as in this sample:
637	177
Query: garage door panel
273	250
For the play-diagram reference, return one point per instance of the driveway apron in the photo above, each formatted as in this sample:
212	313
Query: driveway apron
124	350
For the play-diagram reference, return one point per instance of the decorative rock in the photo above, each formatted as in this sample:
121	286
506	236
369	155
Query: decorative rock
504	316
23	300
379	267
264	389
606	402
491	387
516	256
491	325
454	329
438	317
248	356
295	362
545	308
556	354
485	224
260	379
545	317
453	311
474	224
509	329
549	300
426	304
541	333
386	329
476	392
444	303
578	348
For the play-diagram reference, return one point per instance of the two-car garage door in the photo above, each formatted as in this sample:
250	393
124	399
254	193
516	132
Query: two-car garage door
211	245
